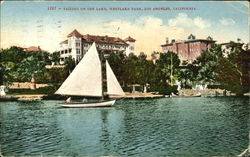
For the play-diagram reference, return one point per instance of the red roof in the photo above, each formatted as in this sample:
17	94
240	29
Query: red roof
74	33
129	39
34	49
64	42
104	39
99	39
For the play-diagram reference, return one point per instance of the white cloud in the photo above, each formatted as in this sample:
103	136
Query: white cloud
149	32
227	21
199	22
183	20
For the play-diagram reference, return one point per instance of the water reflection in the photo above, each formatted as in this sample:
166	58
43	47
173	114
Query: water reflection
26	128
90	131
157	127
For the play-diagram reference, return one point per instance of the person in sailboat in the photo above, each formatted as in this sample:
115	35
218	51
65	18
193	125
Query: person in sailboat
84	100
68	100
87	80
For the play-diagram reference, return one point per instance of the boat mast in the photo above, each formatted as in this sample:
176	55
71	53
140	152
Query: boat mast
171	69
102	59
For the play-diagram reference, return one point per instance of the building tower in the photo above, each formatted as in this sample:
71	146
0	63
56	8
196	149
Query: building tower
131	45
74	43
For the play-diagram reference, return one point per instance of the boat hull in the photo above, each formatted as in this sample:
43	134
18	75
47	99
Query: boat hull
188	96
88	105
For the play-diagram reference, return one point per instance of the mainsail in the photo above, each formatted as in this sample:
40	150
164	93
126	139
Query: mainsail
85	79
113	85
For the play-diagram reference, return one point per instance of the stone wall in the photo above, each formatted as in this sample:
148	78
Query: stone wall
25	85
205	92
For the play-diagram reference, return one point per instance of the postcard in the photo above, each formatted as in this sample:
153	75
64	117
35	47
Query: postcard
124	78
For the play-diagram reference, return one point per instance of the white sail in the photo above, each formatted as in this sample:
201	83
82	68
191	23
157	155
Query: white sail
113	85
85	79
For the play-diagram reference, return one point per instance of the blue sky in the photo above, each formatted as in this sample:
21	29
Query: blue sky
32	24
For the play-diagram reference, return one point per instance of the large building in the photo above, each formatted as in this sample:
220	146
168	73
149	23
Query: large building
188	50
77	45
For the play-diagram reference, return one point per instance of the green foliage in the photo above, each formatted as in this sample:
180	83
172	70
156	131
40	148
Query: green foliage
70	64
207	64
164	89
13	54
117	62
234	70
44	90
9	59
30	67
55	57
54	75
134	69
19	65
229	69
167	67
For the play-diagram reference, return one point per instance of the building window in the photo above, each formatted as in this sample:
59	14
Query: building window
77	44
77	51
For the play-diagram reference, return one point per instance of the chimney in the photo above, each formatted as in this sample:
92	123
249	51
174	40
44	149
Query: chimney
167	40
173	40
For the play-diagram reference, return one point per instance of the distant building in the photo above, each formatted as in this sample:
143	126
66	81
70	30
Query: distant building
188	50
226	50
77	45
33	49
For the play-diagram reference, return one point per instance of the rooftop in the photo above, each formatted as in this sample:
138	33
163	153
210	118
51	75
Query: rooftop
99	39
34	49
74	33
129	39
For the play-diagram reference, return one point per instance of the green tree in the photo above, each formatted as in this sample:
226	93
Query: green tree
145	69
13	54
70	64
116	61
206	65
30	67
55	57
167	67
234	70
9	60
165	73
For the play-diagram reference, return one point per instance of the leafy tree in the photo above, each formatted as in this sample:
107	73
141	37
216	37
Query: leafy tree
167	67
165	73
55	57
9	60
130	69
234	70
154	56
69	64
30	67
116	61
53	75
206	65
145	69
6	72
13	54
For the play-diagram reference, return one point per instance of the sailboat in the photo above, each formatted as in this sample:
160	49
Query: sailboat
86	80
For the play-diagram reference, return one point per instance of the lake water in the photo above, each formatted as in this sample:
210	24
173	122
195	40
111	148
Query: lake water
151	127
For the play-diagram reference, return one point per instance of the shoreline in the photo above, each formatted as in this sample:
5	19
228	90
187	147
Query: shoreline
36	97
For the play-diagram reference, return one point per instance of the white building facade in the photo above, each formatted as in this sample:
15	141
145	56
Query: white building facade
77	45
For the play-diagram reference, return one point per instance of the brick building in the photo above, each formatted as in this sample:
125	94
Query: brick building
77	45
188	50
